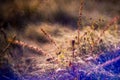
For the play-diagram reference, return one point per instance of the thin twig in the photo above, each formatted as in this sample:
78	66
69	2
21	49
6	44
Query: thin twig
107	26
50	38
4	34
79	23
7	47
6	77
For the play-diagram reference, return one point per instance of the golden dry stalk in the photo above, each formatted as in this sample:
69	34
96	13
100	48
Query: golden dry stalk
31	47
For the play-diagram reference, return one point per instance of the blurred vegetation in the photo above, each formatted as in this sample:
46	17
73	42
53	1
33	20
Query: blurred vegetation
4	49
18	13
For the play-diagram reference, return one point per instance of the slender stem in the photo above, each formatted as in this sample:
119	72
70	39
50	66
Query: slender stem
79	23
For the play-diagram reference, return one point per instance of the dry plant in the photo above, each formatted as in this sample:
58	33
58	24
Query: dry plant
89	42
79	23
21	43
49	38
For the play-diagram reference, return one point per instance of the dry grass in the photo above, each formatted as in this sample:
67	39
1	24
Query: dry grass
61	44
